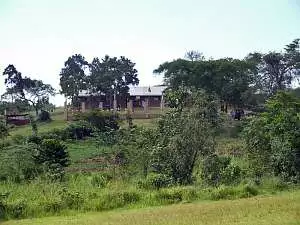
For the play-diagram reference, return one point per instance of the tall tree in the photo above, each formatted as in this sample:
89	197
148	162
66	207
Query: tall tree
194	55
112	76
277	70
73	77
32	91
228	78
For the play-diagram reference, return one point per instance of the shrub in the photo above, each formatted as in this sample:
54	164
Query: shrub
44	116
72	200
249	191
53	156
18	139
223	192
60	134
186	134
273	184
273	137
52	205
218	170
34	139
231	174
113	200
155	181
169	196
16	210
3	205
17	163
108	138
5	143
102	120
79	130
212	169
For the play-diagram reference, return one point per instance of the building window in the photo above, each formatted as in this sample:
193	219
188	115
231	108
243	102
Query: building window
155	99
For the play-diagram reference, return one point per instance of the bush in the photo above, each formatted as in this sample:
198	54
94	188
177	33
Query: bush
107	138
3	205
60	134
169	196
53	156
272	138
4	144
72	200
18	139
16	210
212	168
102	120
218	170
273	184
231	174
249	191
114	200
223	192
155	181
44	116
52	205
79	130
17	163
34	139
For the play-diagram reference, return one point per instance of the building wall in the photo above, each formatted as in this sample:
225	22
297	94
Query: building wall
93	102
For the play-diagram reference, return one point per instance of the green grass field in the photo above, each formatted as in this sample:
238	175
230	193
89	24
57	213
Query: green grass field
58	122
275	210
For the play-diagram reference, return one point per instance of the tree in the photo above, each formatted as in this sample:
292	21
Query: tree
186	135
277	70
53	155
3	130
73	78
194	55
272	138
228	78
25	89
112	76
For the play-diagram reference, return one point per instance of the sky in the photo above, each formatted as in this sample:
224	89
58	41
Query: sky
37	36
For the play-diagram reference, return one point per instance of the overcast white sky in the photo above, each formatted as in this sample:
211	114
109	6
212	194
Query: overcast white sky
38	36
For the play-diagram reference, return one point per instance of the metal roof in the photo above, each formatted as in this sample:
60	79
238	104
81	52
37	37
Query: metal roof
147	91
134	91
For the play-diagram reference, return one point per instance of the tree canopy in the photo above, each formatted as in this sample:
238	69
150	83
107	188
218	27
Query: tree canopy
236	82
228	78
112	75
26	89
73	76
276	70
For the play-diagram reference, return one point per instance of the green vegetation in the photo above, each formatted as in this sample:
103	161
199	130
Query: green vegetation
194	151
276	210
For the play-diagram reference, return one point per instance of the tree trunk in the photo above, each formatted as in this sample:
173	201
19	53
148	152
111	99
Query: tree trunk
36	111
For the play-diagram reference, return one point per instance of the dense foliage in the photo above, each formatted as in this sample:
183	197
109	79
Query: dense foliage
102	120
44	116
273	137
185	135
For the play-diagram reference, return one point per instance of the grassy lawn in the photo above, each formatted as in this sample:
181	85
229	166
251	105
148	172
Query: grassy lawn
275	210
58	122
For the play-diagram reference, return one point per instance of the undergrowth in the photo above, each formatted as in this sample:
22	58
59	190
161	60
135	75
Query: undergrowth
95	192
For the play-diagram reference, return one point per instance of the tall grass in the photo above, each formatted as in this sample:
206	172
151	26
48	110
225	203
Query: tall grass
95	192
282	209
